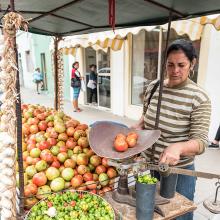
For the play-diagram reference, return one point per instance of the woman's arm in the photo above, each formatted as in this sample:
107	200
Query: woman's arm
198	135
171	155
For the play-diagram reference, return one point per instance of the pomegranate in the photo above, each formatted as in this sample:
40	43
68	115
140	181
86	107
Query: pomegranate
43	191
95	160
33	129
82	169
62	137
91	184
42	125
51	141
70	143
78	134
63	149
67	174
41	165
120	145
62	157
83	142
111	172
131	141
39	179
56	164
57	184
103	179
55	150
132	134
59	128
52	173
100	169
76	181
88	177
35	152
70	131
120	136
82	159
70	163
105	162
77	150
25	129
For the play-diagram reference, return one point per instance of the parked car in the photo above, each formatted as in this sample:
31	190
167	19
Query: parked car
104	70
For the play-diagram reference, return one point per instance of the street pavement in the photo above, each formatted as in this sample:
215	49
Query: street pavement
208	162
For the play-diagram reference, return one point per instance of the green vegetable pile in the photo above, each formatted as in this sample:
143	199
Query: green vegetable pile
72	205
147	179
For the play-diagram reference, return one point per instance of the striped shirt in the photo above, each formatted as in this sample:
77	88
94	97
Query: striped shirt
184	115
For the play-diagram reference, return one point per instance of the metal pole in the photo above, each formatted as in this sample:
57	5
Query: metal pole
162	74
160	52
19	140
56	100
162	70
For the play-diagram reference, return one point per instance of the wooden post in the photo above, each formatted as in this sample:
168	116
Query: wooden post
58	75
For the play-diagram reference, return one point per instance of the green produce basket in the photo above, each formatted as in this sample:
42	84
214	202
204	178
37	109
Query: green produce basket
87	205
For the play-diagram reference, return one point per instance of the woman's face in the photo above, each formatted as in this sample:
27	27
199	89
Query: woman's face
178	67
76	65
93	69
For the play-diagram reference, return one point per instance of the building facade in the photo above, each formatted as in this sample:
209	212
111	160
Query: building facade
123	74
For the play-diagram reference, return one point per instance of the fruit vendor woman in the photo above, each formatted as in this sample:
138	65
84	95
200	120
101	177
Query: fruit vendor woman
184	116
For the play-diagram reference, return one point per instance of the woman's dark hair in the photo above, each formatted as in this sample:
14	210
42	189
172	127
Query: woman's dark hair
92	65
184	45
75	64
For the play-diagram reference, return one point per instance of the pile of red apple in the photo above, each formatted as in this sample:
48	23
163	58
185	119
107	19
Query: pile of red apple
123	142
56	155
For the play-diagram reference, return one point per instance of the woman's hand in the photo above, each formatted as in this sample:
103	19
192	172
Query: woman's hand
171	155
137	127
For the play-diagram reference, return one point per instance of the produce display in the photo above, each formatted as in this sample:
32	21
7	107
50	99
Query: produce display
147	179
123	142
72	205
57	156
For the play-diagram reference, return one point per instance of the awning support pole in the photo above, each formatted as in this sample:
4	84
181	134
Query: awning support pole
56	40
162	72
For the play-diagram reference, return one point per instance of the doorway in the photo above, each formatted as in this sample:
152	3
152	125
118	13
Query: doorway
102	60
104	79
43	70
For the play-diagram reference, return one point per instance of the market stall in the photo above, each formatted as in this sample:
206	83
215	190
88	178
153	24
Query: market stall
61	19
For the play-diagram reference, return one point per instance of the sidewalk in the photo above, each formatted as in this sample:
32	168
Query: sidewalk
208	162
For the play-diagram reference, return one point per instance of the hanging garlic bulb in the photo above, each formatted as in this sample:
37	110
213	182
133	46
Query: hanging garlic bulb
11	23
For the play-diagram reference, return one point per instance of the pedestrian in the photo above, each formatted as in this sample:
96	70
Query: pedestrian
215	142
76	85
184	133
92	84
38	79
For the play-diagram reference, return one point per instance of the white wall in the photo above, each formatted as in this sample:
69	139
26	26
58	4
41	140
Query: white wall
117	81
212	79
131	111
24	42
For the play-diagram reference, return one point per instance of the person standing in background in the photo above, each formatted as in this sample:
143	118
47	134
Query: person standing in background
76	85
92	84
215	142
38	79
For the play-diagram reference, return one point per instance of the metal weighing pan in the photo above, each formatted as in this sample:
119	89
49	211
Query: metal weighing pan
102	135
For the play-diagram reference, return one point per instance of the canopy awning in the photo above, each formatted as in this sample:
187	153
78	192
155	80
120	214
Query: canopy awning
114	40
66	17
214	21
